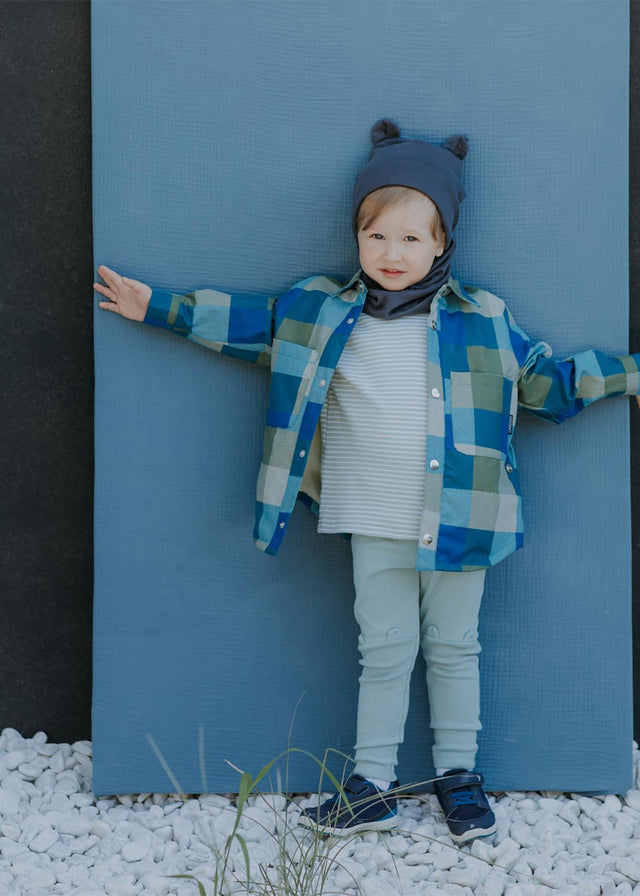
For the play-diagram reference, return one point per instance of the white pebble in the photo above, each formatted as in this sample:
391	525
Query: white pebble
253	815
481	849
13	740
549	878
494	884
506	853
612	804
629	868
74	825
29	770
632	799
10	829
99	828
210	799
8	802
43	841
10	849
57	762
349	873
16	757
465	876
59	850
46	780
68	782
39	878
134	851
445	859
275	802
397	846
522	834
418	859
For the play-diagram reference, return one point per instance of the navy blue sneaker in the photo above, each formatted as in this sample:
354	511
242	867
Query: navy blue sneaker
362	807
465	805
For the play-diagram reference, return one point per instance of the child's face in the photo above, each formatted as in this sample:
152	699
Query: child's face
398	247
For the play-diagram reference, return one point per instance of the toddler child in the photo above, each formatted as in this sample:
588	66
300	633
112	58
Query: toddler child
392	406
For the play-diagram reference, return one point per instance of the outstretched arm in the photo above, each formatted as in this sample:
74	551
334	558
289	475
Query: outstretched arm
238	324
556	390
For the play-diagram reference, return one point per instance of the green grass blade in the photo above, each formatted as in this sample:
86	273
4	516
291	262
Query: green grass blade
165	765
203	769
245	788
245	853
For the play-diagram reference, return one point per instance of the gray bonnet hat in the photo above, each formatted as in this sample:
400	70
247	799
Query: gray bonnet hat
433	170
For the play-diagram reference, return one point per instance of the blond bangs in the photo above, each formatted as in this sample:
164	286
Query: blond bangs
374	204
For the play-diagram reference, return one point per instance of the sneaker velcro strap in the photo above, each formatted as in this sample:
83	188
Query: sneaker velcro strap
461	779
356	784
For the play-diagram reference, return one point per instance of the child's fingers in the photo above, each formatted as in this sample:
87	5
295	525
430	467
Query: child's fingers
103	290
638	400
111	278
108	306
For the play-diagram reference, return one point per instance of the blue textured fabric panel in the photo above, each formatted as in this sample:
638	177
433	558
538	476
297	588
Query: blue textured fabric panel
226	140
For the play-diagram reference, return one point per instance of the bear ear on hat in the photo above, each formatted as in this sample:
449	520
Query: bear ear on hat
457	145
384	130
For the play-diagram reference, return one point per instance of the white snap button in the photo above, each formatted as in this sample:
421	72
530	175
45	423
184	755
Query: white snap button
322	383
427	539
350	320
282	525
433	325
509	468
302	453
433	464
435	393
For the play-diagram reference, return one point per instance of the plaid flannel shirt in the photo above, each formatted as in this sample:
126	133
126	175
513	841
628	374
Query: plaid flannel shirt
481	367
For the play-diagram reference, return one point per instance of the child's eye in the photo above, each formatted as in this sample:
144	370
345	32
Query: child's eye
377	236
411	239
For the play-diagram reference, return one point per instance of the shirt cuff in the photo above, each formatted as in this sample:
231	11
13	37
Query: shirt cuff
159	310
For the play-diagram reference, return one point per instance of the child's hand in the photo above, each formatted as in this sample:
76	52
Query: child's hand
638	400
130	298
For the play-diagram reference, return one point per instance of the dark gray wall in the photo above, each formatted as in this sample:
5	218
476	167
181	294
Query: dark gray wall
46	363
47	370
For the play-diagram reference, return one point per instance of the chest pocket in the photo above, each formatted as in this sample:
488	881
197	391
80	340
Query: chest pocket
483	412
293	367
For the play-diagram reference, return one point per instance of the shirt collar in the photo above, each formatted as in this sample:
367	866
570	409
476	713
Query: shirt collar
356	286
457	289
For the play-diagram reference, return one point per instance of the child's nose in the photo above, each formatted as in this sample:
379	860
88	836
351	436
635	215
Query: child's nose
393	250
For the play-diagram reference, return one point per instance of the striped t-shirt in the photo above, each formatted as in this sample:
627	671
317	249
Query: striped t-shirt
374	431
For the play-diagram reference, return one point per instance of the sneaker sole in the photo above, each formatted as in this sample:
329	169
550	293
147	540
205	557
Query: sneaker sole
383	824
473	834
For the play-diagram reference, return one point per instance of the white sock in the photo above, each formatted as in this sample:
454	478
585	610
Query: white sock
380	784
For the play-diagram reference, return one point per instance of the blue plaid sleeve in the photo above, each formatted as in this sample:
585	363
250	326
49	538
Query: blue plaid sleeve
238	324
557	390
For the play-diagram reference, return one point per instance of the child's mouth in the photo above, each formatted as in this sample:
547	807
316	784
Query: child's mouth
388	272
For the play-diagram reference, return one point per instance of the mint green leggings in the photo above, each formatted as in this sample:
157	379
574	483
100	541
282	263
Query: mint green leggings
398	611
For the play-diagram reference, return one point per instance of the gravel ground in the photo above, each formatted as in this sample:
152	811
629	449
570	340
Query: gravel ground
56	837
